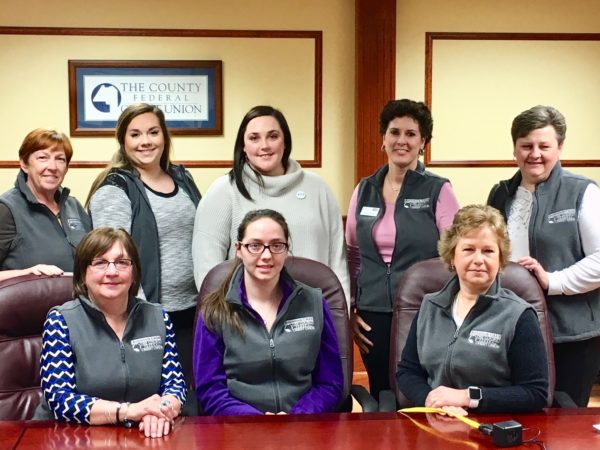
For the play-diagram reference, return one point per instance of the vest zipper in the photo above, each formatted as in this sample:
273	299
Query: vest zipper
277	400
121	352
453	340
531	225
449	354
388	284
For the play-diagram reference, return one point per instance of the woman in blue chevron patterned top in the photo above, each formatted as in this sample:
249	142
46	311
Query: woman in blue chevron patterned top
108	357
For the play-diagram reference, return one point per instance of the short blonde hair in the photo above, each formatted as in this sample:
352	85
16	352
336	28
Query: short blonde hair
467	219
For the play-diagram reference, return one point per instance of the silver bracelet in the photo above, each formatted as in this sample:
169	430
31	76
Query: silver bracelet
126	411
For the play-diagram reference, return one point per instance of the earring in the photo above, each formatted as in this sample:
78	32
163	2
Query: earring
451	267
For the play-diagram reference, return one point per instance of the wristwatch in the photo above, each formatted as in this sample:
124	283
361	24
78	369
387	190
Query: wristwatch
474	396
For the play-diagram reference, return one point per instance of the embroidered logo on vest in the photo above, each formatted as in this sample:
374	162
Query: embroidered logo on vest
147	344
566	215
301	324
416	203
485	339
75	224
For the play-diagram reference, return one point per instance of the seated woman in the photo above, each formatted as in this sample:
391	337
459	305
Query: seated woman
108	357
265	343
475	344
40	224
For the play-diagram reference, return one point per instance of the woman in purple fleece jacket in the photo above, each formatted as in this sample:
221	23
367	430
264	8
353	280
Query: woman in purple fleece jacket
265	343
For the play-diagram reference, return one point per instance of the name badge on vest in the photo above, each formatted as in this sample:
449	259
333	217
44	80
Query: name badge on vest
369	211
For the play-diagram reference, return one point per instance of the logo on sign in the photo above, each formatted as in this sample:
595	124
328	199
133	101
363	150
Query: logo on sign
106	98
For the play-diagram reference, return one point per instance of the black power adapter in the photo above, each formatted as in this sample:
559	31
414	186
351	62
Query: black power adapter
504	434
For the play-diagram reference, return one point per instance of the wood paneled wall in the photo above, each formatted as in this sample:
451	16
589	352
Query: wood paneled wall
375	78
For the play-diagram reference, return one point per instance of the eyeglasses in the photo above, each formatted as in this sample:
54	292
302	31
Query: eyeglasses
101	265
257	248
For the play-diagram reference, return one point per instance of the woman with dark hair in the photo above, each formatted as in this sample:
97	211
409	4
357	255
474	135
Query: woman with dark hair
473	344
552	216
107	356
143	192
264	176
40	224
265	343
394	220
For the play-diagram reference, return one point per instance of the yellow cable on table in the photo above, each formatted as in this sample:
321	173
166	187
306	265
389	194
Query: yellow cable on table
421	409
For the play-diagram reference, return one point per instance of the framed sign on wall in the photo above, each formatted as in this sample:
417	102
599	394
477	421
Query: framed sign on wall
188	92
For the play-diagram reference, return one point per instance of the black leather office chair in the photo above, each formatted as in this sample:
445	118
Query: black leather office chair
318	275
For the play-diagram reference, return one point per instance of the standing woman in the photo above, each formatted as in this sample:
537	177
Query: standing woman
155	200
265	343
553	218
264	176
394	220
40	224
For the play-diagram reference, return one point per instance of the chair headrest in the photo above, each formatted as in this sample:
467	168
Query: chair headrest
26	300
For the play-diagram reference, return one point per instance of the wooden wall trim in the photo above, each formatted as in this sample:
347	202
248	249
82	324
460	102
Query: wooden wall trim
430	37
315	35
375	79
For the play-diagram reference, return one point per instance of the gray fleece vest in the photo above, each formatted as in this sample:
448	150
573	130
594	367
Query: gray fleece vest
555	242
416	233
106	368
477	352
143	224
41	238
272	370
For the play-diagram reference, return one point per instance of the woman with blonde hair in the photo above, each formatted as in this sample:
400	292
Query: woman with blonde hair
473	344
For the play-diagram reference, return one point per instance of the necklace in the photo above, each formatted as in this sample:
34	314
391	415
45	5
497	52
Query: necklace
392	186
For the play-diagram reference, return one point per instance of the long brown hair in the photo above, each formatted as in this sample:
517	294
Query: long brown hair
215	310
120	160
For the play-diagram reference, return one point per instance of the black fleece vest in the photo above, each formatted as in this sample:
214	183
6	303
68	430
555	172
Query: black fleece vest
416	233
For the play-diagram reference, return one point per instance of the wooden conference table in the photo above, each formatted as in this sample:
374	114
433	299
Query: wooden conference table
559	429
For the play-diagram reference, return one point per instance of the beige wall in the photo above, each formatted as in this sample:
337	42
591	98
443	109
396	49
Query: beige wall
416	17
334	18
